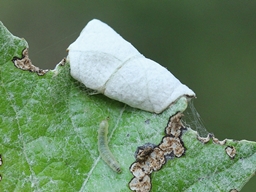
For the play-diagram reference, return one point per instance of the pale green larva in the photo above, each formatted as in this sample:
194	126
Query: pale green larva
103	61
105	153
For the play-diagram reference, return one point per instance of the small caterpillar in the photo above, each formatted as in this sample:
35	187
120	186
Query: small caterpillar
103	148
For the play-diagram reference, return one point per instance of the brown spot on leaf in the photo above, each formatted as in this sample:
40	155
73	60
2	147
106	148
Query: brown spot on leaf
172	145
140	185
150	157
205	140
62	62
174	125
142	153
231	151
25	64
152	161
140	169
217	141
156	159
209	137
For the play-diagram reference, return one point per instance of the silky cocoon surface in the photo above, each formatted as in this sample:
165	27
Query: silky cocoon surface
102	60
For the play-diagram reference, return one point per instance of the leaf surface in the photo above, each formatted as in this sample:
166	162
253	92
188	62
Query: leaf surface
48	139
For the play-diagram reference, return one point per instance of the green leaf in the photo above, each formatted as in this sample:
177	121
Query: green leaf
207	167
48	139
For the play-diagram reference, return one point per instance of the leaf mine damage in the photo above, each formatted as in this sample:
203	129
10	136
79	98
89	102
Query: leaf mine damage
142	153
231	151
25	64
140	185
210	136
150	157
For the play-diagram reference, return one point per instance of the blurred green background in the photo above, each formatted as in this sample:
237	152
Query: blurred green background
209	45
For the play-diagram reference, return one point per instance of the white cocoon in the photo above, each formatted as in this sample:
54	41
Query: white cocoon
102	60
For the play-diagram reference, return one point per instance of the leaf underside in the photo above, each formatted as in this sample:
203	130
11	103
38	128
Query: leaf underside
48	139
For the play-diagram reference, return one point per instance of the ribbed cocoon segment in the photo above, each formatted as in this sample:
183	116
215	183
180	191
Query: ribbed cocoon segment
102	60
143	83
90	69
98	36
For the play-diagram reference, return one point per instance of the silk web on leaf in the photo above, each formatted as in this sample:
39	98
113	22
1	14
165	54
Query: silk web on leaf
193	120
